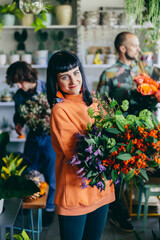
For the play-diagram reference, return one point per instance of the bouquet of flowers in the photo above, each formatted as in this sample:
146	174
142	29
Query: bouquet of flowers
36	113
146	94
116	145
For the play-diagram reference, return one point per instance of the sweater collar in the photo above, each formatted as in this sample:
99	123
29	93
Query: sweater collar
76	98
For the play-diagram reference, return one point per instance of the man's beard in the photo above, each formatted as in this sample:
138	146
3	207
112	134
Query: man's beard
129	57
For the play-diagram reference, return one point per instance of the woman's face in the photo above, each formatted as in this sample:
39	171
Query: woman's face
70	82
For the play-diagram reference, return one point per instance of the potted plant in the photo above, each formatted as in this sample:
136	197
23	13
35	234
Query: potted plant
41	56
144	11
21	38
44	18
8	14
63	12
3	58
12	183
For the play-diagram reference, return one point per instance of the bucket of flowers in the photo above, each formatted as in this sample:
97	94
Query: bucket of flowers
145	95
36	113
116	146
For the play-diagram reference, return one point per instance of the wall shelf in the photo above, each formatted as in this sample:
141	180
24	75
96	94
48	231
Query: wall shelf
49	27
33	65
6	104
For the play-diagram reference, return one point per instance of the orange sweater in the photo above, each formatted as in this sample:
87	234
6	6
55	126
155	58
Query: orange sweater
68	118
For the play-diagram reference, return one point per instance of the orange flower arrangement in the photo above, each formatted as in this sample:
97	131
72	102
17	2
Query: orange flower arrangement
117	146
146	94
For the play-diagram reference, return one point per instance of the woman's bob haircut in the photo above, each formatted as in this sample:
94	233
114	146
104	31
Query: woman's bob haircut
63	61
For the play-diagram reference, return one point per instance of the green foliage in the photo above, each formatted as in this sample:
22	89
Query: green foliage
145	10
41	38
21	236
11	9
21	38
40	18
17	187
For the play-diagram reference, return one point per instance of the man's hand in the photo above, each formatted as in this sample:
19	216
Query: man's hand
18	128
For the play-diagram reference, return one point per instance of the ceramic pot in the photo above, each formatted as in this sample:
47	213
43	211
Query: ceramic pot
8	19
147	57
14	58
40	57
3	59
27	20
48	22
1	205
63	14
27	58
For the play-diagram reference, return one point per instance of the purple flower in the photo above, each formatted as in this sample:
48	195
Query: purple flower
75	160
80	170
99	134
84	185
100	185
101	167
98	152
89	149
88	158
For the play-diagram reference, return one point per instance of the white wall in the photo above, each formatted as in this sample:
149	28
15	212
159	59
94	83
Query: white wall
91	5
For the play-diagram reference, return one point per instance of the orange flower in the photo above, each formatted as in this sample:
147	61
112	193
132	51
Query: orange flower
145	89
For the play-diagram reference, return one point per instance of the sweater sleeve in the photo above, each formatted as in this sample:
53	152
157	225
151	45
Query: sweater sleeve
63	132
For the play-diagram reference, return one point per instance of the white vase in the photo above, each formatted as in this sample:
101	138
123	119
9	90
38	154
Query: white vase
40	57
3	59
27	20
14	58
48	22
1	205
8	19
63	14
27	58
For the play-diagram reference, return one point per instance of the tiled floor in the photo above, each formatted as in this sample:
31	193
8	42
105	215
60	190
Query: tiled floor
110	232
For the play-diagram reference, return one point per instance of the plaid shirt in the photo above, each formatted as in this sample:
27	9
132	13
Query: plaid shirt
118	79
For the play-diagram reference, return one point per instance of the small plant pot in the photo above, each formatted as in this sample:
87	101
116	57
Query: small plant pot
27	58
41	57
8	19
48	22
14	58
63	14
3	59
27	20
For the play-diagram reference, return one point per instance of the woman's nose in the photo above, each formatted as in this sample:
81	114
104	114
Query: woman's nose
72	79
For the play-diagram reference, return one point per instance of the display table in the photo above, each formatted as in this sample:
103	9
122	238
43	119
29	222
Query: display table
8	216
39	204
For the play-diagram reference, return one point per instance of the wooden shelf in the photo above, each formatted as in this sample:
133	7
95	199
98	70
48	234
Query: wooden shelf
49	27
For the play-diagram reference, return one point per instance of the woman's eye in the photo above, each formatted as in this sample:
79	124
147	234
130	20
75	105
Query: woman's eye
76	73
64	77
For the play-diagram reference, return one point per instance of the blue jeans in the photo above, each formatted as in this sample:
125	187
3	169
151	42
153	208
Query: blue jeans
40	155
83	227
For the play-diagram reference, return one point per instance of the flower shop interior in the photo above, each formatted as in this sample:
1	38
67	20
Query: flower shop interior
89	30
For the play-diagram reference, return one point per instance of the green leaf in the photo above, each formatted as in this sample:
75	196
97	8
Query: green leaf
129	147
144	174
115	148
112	130
152	164
90	141
124	156
114	175
119	112
155	120
17	187
113	103
120	126
130	174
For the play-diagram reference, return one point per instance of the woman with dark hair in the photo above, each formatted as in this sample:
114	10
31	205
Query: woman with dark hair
82	213
38	151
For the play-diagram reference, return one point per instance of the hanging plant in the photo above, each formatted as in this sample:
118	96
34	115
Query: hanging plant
145	10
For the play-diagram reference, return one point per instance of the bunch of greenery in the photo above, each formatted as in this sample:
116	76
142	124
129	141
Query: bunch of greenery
12	183
40	18
41	38
145	10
